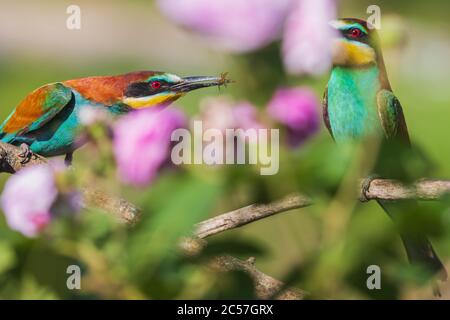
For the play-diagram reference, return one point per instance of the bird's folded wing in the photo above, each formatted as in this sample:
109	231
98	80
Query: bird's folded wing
37	109
391	115
326	119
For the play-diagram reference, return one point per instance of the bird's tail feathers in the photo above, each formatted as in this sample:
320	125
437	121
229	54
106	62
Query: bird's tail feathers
420	251
418	248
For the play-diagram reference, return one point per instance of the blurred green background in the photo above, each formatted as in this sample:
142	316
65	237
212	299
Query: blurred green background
118	37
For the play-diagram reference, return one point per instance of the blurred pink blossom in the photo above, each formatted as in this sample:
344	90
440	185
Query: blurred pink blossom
223	113
227	116
246	116
234	25
142	143
27	199
297	109
248	25
308	37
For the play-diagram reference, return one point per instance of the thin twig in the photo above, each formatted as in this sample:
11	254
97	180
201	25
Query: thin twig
251	213
265	286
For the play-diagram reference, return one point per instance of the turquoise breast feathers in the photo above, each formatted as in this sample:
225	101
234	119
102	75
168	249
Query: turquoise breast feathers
352	108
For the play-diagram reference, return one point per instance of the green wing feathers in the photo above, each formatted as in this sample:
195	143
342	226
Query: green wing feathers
325	116
37	109
391	115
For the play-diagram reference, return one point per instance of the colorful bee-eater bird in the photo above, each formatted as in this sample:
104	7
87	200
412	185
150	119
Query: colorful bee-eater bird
358	103
47	120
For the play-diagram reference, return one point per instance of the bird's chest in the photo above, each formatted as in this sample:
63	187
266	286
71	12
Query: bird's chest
352	109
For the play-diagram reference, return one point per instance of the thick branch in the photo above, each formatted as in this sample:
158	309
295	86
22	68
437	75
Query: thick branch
425	189
10	162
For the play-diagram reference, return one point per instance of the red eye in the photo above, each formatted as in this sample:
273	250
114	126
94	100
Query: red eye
156	84
355	33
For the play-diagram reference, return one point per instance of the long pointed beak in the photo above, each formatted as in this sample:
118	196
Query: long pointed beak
192	83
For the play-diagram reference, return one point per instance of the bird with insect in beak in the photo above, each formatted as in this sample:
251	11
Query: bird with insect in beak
359	103
47	120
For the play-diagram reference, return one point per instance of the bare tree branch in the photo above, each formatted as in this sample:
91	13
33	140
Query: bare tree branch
11	162
121	208
379	189
265	286
251	213
387	189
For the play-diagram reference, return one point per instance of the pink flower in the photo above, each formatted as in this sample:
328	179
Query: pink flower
307	40
27	199
226	116
297	109
234	25
223	113
142	143
246	116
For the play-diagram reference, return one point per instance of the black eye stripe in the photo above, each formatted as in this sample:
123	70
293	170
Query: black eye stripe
142	89
137	89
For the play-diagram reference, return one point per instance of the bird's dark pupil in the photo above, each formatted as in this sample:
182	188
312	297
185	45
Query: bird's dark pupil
355	32
156	85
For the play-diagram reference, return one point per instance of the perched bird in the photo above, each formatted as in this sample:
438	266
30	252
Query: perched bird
47	120
358	103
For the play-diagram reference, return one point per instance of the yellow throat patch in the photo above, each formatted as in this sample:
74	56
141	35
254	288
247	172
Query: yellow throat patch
151	101
348	53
